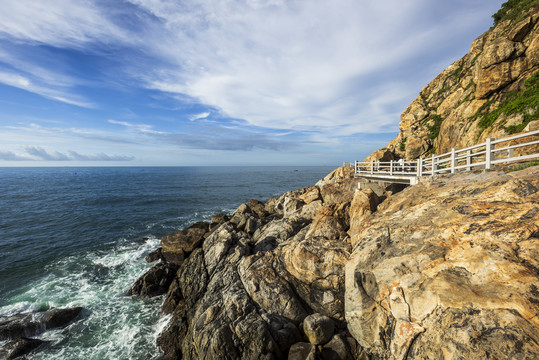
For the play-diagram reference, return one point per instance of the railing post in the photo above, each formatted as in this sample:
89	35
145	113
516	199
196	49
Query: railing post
510	153
378	165
420	166
469	160
453	160
433	165
372	167
488	153
355	167
390	167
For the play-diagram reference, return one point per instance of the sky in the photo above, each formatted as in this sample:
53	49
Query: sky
218	82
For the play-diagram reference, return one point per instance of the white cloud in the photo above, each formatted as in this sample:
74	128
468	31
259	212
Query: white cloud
200	116
36	153
300	64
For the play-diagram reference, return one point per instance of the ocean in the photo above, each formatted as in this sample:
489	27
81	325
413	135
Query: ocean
78	237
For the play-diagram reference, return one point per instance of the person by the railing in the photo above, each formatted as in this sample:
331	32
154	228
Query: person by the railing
401	164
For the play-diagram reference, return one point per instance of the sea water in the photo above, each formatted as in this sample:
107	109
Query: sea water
78	237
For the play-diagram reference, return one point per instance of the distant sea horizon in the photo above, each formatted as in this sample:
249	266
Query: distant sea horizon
78	235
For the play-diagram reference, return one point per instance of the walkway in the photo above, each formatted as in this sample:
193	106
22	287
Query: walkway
522	147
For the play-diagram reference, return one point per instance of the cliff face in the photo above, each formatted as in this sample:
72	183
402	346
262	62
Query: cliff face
446	269
492	91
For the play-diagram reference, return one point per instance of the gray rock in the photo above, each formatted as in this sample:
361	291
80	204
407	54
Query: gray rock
302	351
336	349
318	328
19	347
154	256
30	324
155	281
284	332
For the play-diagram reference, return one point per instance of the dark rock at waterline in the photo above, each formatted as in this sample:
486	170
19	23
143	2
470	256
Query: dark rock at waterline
176	246
302	351
155	281
154	256
19	347
30	324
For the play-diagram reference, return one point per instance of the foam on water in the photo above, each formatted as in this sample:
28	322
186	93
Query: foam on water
112	325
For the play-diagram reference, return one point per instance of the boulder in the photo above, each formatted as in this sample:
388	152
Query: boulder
331	222
337	175
155	281
337	348
258	208
270	292
154	256
176	246
20	347
318	328
315	268
302	351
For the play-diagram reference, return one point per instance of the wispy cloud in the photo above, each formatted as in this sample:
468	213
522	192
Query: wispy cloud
200	116
36	153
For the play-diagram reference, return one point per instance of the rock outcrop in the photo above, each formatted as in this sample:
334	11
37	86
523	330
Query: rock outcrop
443	269
490	92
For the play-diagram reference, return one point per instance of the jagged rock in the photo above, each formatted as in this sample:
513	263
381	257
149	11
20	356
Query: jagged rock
193	279
269	291
30	324
219	218
458	249
318	328
315	268
268	236
448	111
302	351
19	347
337	349
258	208
155	281
154	256
363	205
339	191
290	203
339	174
283	331
331	222
176	246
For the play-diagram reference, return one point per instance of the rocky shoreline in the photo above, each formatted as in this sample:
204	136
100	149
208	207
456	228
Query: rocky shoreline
444	269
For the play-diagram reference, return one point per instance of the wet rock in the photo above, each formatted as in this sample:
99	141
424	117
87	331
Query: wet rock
318	328
219	218
176	246
154	256
30	324
155	281
19	347
302	351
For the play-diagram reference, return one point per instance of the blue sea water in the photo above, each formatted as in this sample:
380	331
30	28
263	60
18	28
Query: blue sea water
78	237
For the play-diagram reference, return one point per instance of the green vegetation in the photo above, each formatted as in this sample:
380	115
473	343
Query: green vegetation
525	166
513	10
458	71
402	145
434	128
524	102
444	89
431	151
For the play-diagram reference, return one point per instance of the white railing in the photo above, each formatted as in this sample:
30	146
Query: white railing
484	156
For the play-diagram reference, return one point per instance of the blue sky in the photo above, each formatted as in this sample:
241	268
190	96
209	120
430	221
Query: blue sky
218	82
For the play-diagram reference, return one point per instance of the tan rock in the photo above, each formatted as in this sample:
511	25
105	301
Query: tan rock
450	248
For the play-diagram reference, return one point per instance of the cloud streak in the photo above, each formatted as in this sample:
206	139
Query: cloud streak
36	153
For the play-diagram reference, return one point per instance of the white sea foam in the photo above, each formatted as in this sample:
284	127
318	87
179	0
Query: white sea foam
112	325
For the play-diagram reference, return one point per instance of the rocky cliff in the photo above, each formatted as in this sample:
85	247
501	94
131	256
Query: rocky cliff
493	91
447	269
